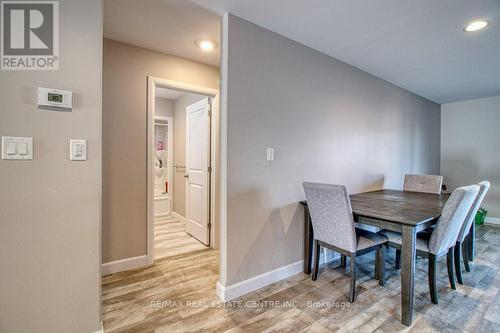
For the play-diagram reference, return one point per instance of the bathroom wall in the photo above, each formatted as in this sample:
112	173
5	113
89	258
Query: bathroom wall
164	107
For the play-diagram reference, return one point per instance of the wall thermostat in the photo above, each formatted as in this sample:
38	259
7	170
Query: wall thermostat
55	98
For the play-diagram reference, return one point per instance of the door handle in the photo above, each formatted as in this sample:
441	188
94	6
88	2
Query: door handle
186	175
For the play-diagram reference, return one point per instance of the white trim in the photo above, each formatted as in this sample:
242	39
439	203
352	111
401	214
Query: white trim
99	152
100	330
124	264
178	216
244	287
222	181
492	221
152	82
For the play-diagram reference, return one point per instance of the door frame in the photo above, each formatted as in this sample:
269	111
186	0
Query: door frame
214	193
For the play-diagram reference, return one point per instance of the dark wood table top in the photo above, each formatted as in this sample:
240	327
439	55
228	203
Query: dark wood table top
409	208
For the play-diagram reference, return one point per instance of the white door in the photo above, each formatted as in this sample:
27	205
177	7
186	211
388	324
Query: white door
197	162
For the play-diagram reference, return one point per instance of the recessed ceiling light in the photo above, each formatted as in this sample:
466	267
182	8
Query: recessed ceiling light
206	44
475	26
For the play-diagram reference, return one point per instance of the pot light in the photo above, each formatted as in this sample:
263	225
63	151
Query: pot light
206	44
475	26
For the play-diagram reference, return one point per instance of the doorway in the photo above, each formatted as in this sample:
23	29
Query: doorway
182	158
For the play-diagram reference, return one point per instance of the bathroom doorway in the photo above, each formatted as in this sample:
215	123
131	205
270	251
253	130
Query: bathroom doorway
182	155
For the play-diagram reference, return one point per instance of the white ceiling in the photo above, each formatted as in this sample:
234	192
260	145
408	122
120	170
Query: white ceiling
418	45
168	93
168	26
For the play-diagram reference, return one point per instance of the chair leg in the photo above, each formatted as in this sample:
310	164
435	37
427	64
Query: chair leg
432	278
397	264
471	242
343	261
465	255
314	274
458	257
352	288
449	264
380	264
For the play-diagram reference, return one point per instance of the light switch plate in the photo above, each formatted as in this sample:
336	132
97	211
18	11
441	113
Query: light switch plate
270	154
17	148
78	150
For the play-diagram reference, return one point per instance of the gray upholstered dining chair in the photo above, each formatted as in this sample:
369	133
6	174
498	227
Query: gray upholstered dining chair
419	183
462	245
423	183
333	226
444	235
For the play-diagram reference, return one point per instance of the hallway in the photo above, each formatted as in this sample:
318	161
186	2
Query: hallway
171	238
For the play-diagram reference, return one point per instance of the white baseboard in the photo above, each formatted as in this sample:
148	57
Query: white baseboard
244	287
101	330
492	221
124	265
178	216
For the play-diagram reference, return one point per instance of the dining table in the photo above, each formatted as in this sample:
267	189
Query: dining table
401	211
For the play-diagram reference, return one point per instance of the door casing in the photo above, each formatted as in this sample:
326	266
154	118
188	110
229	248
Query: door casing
214	193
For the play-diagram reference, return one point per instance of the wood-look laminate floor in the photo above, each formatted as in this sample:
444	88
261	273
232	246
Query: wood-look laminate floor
171	238
175	295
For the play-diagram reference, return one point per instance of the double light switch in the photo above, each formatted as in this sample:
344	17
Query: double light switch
17	148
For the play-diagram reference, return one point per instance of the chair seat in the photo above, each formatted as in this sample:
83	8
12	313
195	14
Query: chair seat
396	238
368	239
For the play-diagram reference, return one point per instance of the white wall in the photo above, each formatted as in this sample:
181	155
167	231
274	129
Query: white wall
164	107
50	206
470	146
327	121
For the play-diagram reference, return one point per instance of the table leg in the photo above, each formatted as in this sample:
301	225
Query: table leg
407	273
308	241
470	242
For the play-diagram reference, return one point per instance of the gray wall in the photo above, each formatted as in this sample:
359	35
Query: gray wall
470	149
125	71
180	105
328	122
49	207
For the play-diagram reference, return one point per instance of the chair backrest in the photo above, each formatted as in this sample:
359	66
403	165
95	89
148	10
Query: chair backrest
452	217
423	183
484	186
331	215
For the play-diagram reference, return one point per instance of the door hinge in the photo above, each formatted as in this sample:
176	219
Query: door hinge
209	225
210	109
209	169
